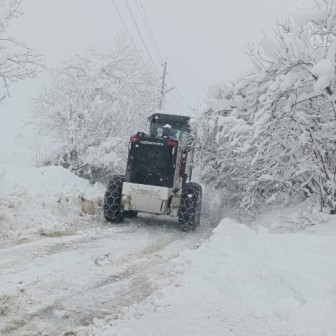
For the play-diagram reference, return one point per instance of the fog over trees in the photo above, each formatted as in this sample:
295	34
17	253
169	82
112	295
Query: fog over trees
91	106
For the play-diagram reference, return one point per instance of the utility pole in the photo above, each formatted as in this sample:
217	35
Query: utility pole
163	85
163	91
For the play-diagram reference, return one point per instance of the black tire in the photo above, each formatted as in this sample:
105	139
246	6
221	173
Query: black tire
190	207
130	213
112	200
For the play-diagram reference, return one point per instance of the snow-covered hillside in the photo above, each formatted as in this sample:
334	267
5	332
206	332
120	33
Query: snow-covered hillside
64	272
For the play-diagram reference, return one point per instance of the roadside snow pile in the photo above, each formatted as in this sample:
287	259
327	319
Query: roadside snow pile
300	217
41	200
241	282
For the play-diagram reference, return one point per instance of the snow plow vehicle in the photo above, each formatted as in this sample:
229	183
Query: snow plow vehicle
158	175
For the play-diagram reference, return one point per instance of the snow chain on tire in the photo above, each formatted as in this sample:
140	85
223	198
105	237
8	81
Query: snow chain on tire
190	207
112	200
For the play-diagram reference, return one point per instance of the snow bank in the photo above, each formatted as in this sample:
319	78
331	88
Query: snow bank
48	180
241	282
41	200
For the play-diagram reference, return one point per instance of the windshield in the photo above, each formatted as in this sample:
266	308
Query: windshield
177	133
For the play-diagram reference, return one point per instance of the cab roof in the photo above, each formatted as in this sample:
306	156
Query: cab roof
169	118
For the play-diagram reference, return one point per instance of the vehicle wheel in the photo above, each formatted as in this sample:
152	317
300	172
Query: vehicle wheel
112	200
130	213
190	207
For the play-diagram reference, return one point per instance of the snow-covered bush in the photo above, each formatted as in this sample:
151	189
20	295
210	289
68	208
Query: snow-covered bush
271	135
92	105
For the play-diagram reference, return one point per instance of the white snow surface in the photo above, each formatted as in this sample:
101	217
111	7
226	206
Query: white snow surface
324	71
63	272
47	180
41	200
242	282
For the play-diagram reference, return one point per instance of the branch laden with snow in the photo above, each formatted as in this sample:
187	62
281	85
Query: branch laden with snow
17	62
277	136
92	105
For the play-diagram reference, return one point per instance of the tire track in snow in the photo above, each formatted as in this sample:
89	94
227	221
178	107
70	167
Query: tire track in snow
52	304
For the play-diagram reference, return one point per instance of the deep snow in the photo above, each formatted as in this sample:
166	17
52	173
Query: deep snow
42	201
242	282
63	272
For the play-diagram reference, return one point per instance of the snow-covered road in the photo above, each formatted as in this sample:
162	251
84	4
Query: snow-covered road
241	282
53	284
66	273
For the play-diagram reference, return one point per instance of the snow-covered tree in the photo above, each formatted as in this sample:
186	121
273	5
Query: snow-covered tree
277	138
17	61
94	102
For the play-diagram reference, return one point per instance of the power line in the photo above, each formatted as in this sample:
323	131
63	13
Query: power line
178	91
169	105
155	46
177	101
138	30
145	21
124	23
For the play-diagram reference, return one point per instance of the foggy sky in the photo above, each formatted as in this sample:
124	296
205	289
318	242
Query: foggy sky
202	41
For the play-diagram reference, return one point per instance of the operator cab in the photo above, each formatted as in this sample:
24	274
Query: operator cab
159	158
179	127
